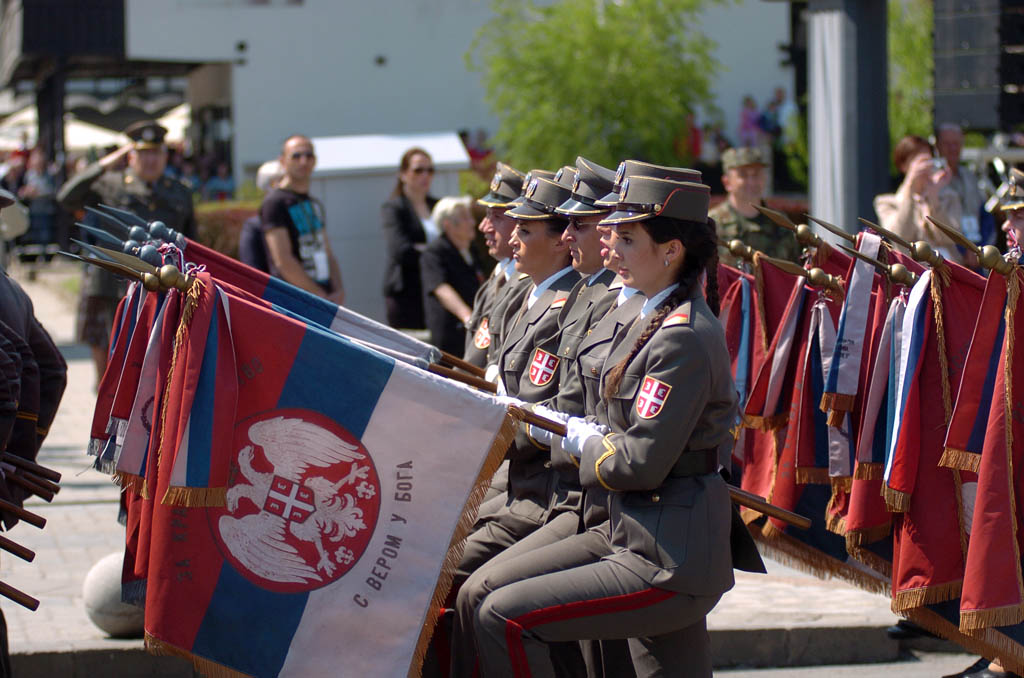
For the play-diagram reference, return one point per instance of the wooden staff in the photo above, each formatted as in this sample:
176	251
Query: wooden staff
985	254
467	379
18	512
51	487
897	273
27	485
738	496
885	233
17	549
451	361
31	467
23	599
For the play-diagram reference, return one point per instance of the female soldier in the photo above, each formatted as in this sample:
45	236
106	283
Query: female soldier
663	560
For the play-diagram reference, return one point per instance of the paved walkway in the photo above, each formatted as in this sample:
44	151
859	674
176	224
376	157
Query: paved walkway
786	618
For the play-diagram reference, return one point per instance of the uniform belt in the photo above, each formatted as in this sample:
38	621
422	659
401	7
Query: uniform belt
695	463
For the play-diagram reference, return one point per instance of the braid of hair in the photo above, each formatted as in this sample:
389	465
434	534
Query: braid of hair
689	278
711	293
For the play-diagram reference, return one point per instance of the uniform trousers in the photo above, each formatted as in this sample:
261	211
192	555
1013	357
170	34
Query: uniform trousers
499	482
574	594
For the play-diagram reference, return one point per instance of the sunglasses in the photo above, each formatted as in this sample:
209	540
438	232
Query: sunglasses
422	170
303	154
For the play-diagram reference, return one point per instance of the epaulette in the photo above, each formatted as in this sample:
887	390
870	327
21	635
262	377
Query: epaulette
523	276
680	317
559	302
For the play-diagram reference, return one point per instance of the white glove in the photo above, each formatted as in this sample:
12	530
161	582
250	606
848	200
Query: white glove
491	373
507	400
578	433
541	435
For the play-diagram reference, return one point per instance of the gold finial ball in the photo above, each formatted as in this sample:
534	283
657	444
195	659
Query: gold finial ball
901	275
151	282
990	257
736	246
922	251
819	278
169	276
806	235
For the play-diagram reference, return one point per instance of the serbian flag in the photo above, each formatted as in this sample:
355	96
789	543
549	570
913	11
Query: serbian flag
351	479
993	593
309	306
966	434
931	533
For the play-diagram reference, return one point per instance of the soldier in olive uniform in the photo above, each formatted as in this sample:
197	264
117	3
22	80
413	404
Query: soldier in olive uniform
141	188
744	180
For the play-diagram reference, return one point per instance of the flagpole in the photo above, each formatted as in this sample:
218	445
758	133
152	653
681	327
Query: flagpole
18	512
23	599
451	361
31	467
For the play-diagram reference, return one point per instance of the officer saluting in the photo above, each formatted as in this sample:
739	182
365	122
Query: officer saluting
141	188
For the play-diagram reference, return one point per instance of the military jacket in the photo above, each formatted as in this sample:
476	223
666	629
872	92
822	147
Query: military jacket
507	302
529	369
478	330
167	200
676	398
761	233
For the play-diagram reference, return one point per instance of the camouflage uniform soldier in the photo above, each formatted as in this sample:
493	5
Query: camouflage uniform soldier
744	180
141	188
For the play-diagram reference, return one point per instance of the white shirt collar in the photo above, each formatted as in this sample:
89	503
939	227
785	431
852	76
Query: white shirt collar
624	294
541	288
505	267
653	302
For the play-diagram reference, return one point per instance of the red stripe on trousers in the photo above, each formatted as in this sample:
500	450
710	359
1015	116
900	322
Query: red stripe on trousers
546	615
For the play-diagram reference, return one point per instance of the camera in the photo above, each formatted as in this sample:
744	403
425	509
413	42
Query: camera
939	164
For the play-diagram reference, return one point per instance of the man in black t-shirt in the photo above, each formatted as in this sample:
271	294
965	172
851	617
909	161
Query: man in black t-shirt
292	222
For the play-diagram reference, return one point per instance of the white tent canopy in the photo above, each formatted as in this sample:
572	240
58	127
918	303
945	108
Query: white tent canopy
177	121
20	129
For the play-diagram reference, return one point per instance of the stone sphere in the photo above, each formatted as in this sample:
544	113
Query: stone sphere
102	593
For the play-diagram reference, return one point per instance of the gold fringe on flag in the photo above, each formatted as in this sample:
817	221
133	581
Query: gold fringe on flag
759	286
960	459
195	497
1012	298
926	595
975	620
855	539
207	667
871	559
1009	652
897	501
941	277
784	549
998	646
771	423
502	440
869	470
837	406
130	482
810	475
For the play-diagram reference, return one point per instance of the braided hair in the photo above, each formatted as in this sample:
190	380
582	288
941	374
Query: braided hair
700	239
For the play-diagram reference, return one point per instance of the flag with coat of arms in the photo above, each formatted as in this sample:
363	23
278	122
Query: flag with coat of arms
311	496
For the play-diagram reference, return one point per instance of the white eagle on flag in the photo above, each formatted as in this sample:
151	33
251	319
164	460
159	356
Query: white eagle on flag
258	540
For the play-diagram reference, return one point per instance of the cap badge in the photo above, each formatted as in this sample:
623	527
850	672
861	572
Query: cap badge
496	181
620	173
531	188
624	190
576	184
148	134
559	174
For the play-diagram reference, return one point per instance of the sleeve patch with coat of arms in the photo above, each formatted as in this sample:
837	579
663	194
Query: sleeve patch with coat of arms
482	338
650	401
542	367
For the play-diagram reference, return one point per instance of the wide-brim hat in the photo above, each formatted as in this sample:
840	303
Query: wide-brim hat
540	200
642	198
592	183
1014	198
532	174
506	185
636	168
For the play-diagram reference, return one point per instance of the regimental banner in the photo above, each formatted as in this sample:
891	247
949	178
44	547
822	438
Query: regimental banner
347	479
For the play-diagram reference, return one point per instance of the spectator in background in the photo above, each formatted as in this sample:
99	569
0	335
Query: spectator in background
978	226
294	227
190	176
408	227
451	274
220	186
923	192
252	249
37	191
14	178
750	131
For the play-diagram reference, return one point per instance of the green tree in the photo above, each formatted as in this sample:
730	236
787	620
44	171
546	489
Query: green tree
910	68
606	79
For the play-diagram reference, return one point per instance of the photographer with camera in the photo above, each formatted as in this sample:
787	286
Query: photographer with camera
923	192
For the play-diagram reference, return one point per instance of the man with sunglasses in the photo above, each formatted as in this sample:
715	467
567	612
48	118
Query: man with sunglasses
292	222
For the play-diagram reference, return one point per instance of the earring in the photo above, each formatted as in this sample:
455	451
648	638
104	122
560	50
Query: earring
666	263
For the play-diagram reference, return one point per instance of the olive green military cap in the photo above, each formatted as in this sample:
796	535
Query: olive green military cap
506	185
532	174
742	156
643	198
565	176
540	200
592	183
146	134
1014	198
635	168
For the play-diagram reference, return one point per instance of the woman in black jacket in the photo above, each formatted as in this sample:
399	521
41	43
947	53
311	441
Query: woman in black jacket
408	228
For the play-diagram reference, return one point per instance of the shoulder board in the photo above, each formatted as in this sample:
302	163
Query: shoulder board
523	276
678	317
559	302
616	285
